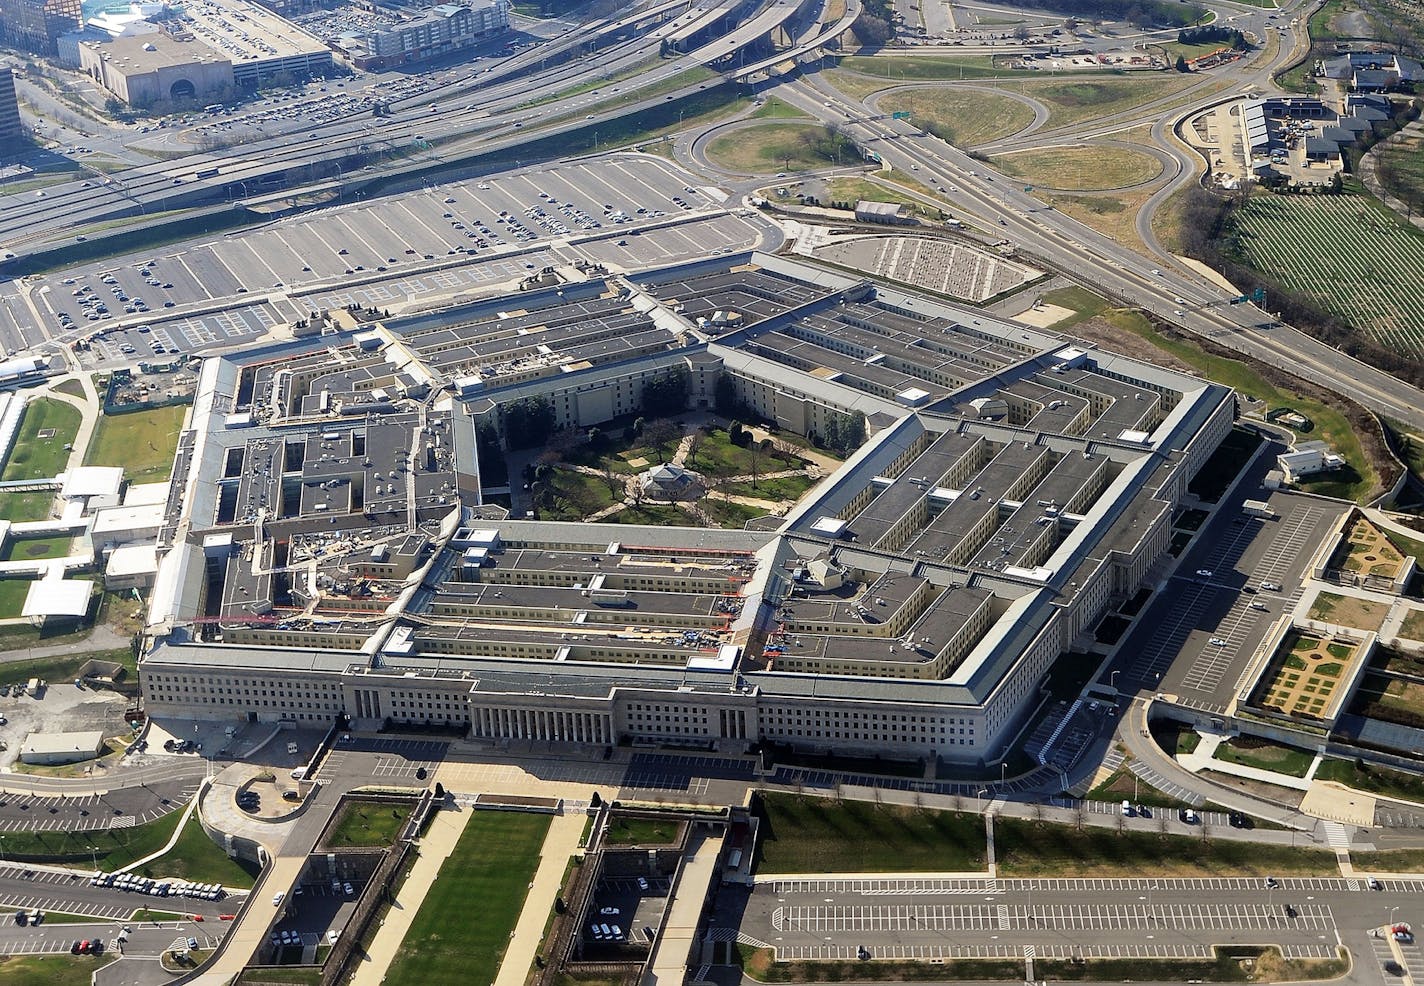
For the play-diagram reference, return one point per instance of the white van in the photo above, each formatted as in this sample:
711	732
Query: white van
299	773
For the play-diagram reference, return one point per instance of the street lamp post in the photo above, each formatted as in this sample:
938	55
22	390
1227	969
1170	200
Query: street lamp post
979	800
1112	679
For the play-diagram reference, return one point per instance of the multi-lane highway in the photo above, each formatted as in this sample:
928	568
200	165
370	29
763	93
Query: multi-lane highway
496	110
1091	257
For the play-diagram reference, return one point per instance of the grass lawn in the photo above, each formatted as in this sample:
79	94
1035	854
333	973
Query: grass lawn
1413	625
642	831
1372	778
729	514
776	109
577	495
816	835
1266	755
34	457
23	507
1176	738
29	549
50	970
1026	848
853	189
658	514
1330	425
895	69
1081	169
368	824
717	458
1074	101
142	442
463	926
12	597
963	117
1123	783
780	488
770	148
1347	611
199	859
63	668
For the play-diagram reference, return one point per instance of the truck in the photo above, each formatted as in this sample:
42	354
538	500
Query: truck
34	688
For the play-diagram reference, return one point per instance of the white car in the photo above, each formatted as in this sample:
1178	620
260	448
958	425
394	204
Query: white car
277	898
1205	573
331	936
1218	642
611	911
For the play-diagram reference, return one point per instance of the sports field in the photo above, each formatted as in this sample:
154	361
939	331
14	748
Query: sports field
1354	260
463	926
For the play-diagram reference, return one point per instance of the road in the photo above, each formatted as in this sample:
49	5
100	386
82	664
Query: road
929	919
1092	258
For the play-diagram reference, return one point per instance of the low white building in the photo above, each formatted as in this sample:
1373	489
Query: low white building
1307	459
60	748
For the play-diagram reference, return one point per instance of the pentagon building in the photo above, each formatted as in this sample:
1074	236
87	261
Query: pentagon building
331	551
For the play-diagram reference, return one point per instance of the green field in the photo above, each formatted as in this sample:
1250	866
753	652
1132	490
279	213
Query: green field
1346	255
368	824
142	442
12	597
20	508
36	457
771	148
1330	425
1074	101
817	835
193	857
463	925
1264	755
642	831
31	549
963	117
655	514
728	513
50	970
1081	169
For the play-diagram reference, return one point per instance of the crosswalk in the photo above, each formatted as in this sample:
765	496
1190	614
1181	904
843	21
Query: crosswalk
1337	837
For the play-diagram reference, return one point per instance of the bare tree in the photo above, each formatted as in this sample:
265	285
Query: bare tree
613	480
659	434
919	801
1038	811
1161	822
1080	814
694	443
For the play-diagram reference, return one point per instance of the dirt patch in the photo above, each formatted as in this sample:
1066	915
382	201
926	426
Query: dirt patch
1270	792
1118	340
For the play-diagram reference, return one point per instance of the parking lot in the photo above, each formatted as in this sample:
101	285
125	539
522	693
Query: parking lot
630	909
627	211
1197	635
941	918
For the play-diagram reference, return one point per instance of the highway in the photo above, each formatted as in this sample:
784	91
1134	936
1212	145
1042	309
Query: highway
505	107
1090	257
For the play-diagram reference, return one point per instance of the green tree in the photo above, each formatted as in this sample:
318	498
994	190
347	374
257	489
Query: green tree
528	422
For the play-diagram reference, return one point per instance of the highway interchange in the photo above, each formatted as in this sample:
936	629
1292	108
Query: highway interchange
976	916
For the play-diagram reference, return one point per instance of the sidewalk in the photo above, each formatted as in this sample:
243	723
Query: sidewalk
435	847
561	842
1204	758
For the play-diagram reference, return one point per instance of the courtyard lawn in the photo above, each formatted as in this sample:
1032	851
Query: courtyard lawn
47	427
30	549
12	597
368	824
465	922
655	514
1348	611
778	488
1266	755
642	831
728	513
143	442
21	508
